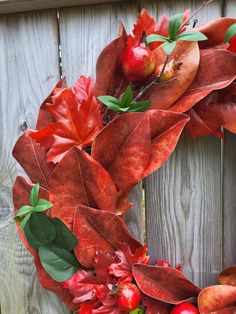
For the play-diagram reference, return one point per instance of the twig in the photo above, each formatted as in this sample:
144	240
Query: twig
205	3
153	82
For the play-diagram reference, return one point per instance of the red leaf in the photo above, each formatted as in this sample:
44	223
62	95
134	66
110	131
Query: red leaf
165	263
99	230
215	31
145	25
127	142
164	284
216	71
186	54
232	44
154	306
78	120
78	179
215	298
109	77
165	132
21	197
101	265
32	157
228	276
48	283
44	116
216	110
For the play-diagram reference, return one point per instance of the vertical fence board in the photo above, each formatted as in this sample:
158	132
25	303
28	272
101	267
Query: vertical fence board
84	32
229	179
183	199
28	70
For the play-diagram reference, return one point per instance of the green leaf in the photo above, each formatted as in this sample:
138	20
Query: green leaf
43	205
112	103
64	237
41	228
127	98
34	194
169	47
230	33
175	24
33	242
139	310
154	37
191	36
58	263
24	210
139	106
24	221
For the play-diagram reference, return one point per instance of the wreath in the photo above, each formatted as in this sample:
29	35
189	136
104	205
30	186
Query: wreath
95	141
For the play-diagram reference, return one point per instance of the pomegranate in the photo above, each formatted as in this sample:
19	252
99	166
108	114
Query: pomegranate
184	308
138	63
127	296
168	72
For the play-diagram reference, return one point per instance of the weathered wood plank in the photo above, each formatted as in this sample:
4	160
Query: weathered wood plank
229	182
84	32
11	6
183	199
29	68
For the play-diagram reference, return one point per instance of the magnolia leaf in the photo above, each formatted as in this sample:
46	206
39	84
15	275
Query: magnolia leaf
175	25
42	205
33	242
230	33
34	195
127	97
41	228
24	210
64	239
58	263
228	276
169	47
24	221
191	36
154	37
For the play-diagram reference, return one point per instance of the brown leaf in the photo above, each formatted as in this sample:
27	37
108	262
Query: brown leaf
78	179
187	55
228	276
216	71
164	284
99	230
32	157
216	298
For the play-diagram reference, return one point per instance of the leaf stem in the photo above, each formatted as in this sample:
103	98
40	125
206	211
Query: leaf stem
153	82
205	3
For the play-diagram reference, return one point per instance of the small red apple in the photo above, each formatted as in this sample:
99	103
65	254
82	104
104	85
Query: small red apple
127	296
232	44
184	308
138	63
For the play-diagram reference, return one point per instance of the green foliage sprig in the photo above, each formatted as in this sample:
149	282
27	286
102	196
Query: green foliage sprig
230	33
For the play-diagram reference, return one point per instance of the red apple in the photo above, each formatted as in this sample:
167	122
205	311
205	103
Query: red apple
138	63
127	296
184	308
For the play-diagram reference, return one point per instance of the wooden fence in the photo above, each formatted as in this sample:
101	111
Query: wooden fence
190	204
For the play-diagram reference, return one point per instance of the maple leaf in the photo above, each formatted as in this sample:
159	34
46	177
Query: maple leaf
126	259
102	262
78	120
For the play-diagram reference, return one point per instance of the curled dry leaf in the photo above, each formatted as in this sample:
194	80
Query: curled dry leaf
206	81
109	77
78	120
21	197
164	284
99	230
217	299
228	276
32	157
214	31
186	56
78	179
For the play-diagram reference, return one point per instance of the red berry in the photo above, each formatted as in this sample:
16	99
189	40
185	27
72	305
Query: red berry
138	63
127	296
184	308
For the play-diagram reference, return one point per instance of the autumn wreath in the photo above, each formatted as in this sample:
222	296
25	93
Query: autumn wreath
95	141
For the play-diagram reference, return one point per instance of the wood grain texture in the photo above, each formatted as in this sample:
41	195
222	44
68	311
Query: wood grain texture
28	70
84	32
183	199
229	182
11	6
